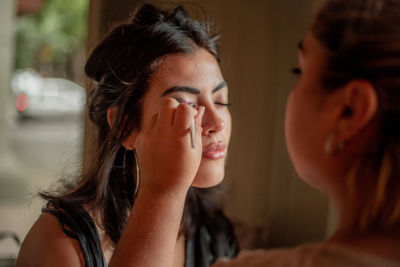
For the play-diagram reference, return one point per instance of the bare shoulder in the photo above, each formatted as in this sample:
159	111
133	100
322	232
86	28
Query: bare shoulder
46	244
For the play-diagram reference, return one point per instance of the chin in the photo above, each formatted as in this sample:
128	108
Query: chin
209	175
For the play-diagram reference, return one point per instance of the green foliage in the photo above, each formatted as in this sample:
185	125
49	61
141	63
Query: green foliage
50	36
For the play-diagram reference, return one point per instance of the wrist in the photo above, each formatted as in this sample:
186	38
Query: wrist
164	184
162	193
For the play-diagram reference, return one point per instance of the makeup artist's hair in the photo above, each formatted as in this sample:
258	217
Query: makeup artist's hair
121	68
362	41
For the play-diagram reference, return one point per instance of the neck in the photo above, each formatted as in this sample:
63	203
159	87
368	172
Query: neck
344	223
338	192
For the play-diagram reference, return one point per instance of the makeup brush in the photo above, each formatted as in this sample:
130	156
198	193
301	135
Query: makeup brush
192	129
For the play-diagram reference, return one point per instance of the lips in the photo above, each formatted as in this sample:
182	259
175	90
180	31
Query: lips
214	151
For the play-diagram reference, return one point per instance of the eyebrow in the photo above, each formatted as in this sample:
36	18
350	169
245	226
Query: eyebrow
191	90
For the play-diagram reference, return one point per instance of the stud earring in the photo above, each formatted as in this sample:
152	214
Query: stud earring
330	147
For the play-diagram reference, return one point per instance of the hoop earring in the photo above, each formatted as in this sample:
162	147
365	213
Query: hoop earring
137	177
329	147
137	173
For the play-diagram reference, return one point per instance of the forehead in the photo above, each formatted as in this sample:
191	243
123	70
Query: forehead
199	70
311	48
312	61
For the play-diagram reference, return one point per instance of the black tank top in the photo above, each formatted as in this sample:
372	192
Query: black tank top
202	249
77	223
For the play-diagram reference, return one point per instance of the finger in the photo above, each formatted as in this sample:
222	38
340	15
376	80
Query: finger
167	112
194	128
183	118
199	117
198	143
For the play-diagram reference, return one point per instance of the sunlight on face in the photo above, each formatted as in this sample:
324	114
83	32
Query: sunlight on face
305	124
196	79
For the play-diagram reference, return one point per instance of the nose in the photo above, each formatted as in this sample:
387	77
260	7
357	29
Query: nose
212	122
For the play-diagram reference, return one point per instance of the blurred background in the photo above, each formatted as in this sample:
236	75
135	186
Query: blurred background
44	131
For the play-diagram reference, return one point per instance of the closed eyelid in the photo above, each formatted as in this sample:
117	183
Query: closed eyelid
219	95
222	95
183	100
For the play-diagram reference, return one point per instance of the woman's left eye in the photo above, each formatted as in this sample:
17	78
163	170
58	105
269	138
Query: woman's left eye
296	71
223	104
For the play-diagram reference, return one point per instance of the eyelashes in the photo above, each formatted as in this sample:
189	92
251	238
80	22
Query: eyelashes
181	100
296	71
223	104
194	105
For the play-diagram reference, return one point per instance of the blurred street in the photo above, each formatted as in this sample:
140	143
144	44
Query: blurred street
42	50
47	144
40	152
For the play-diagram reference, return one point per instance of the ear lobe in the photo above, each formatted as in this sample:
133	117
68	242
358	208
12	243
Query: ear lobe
130	141
361	104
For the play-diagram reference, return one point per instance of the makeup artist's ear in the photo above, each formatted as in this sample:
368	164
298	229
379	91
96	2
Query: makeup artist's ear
358	109
129	142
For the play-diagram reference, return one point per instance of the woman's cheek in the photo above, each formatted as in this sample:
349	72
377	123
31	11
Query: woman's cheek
290	121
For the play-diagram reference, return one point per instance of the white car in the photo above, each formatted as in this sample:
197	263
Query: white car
38	97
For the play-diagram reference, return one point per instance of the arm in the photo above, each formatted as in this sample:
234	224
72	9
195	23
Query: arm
151	231
150	235
46	245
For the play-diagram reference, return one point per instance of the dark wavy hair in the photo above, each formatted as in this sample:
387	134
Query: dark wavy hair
362	41
121	68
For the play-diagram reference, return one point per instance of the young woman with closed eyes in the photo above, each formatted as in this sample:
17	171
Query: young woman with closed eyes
158	72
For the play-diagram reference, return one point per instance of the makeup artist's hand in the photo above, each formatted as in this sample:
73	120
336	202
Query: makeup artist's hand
166	158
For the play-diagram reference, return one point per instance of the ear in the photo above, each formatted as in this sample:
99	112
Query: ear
111	112
129	142
360	104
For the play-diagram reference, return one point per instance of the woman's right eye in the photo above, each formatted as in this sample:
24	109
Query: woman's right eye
181	100
192	104
296	71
